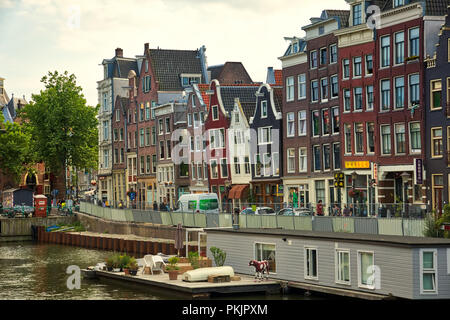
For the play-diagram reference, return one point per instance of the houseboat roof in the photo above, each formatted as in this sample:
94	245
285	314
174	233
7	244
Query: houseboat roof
387	240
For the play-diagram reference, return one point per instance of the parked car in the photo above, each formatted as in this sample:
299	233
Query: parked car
259	210
298	212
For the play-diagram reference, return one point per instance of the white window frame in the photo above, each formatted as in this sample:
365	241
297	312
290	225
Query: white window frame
289	158
324	99
311	60
343	69
360	284
264	107
260	135
300	157
331	87
381	139
292	122
290	89
302	134
381	52
435	270
337	52
307	253
212	112
323	157
318	91
395	48
366	71
301	84
396	125
336	270
189	120
211	170
272	244
355	76
411	150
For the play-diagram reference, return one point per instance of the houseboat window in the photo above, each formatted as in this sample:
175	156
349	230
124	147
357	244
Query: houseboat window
366	271
311	271
343	267
428	266
265	251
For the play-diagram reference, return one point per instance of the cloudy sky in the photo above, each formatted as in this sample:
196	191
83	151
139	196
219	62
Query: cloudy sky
76	35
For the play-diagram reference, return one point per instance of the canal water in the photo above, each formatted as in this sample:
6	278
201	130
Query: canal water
38	271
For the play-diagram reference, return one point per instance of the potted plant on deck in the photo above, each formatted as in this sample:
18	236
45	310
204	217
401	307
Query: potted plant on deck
133	266
124	263
110	263
172	268
116	263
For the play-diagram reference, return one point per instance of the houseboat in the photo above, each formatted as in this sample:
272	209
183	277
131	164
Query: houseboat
356	265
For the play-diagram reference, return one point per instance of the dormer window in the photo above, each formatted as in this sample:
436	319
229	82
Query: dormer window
357	14
398	3
321	30
295	47
189	79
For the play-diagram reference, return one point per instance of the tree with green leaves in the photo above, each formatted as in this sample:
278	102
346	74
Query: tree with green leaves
15	151
63	127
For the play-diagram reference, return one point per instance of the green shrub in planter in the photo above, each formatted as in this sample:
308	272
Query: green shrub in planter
219	256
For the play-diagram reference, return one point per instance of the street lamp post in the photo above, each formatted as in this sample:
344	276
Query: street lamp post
354	176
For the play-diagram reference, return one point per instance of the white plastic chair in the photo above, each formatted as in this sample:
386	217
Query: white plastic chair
155	263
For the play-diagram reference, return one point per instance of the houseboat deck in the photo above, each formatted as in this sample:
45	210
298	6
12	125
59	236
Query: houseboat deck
195	289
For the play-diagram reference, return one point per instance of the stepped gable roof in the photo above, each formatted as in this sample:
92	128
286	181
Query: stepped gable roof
245	93
168	65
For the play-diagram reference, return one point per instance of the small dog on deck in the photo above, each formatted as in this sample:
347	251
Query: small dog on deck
261	268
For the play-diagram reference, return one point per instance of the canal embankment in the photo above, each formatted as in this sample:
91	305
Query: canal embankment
20	229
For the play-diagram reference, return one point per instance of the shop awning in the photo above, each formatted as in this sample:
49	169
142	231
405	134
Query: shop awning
237	191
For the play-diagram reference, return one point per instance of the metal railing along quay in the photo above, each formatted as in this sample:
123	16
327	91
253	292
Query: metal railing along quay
367	225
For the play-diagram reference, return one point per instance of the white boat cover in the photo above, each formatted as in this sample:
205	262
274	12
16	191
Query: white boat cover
202	274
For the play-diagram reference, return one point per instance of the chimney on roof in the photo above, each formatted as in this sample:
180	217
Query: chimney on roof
146	46
119	52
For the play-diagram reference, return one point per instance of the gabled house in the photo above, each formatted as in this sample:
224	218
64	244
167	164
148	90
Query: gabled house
239	146
197	108
163	77
266	147
114	83
437	125
222	103
120	145
173	156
